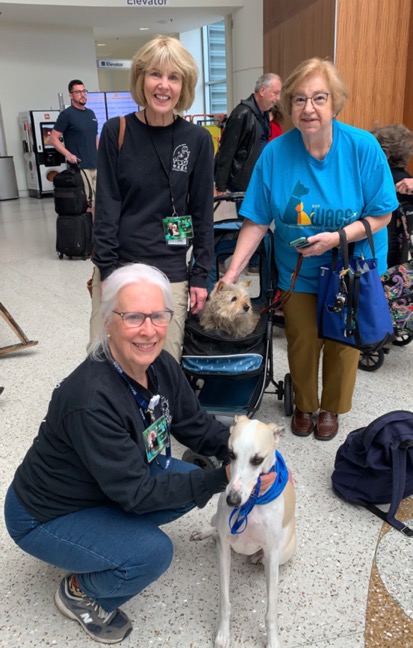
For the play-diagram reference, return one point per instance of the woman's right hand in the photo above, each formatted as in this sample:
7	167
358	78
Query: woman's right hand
320	243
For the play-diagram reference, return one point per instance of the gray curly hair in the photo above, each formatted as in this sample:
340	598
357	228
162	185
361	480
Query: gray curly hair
396	140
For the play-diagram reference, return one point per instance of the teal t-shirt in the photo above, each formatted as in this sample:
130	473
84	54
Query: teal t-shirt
305	196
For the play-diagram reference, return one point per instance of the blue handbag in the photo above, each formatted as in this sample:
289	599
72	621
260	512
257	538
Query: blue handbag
351	305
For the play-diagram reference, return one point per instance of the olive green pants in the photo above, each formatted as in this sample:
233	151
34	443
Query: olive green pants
339	362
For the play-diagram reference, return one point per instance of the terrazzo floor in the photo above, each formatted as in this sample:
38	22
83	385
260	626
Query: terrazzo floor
350	584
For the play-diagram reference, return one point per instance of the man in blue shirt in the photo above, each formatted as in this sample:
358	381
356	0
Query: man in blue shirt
78	126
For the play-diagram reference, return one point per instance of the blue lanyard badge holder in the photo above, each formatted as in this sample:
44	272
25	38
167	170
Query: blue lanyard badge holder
156	436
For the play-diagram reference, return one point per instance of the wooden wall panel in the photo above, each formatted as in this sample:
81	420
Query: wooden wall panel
408	95
296	31
371	56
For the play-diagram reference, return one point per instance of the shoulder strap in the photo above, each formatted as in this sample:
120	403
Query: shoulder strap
121	136
369	234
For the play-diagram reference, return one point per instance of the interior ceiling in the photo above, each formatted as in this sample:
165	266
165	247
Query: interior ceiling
118	28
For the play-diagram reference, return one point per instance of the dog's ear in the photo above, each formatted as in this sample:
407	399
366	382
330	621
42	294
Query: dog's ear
277	430
221	285
246	283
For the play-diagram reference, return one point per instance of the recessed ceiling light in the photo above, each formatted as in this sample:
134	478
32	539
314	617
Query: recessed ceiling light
143	28
100	44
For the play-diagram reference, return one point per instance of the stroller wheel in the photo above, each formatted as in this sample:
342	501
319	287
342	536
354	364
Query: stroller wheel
371	361
206	463
288	395
402	338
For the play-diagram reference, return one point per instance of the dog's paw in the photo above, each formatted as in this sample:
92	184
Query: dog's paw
256	558
222	640
202	534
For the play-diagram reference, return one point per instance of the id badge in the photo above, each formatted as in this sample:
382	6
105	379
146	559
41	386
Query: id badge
178	229
156	438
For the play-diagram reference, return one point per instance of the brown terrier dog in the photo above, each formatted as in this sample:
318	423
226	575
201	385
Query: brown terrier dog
229	309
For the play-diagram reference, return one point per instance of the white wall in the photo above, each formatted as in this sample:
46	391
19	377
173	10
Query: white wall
36	63
247	48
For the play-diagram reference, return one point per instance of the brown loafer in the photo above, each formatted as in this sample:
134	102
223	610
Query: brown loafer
326	427
302	423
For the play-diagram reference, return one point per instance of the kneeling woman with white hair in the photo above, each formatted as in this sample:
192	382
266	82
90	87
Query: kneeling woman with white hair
99	479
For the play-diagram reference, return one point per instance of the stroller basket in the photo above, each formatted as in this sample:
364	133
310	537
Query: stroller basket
230	374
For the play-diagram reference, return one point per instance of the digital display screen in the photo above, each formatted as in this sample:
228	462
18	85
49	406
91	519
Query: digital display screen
46	128
120	103
96	102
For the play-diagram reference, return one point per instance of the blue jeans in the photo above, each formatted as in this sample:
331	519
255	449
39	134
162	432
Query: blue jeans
115	554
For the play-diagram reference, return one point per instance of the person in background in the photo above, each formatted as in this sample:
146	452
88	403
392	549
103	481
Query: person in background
77	126
99	480
276	119
246	133
317	178
396	140
163	169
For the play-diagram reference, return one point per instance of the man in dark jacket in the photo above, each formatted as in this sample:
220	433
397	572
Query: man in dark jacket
245	135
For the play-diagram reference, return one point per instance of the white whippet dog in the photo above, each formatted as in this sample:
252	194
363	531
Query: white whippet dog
250	519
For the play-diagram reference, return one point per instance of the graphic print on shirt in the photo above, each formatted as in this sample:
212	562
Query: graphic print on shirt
294	213
321	217
164	404
180	158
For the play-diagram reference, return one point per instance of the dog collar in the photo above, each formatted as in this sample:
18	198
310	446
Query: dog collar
238	520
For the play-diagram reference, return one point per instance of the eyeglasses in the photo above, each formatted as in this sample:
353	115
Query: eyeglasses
134	320
318	100
79	91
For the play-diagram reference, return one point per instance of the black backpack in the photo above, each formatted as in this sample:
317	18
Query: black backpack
375	466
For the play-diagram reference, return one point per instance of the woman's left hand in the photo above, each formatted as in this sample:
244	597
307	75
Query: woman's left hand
198	298
320	243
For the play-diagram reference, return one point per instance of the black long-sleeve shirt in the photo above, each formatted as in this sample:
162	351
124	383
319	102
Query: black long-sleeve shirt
90	448
133	196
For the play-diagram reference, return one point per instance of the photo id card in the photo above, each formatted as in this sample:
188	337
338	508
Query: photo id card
178	229
156	437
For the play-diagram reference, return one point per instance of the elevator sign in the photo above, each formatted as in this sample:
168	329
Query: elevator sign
147	3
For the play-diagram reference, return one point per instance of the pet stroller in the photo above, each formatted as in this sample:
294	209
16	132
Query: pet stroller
398	287
230	376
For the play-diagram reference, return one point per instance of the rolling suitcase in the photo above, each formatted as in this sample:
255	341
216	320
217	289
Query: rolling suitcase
69	193
74	235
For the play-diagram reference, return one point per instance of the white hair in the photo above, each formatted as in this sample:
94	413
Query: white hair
133	273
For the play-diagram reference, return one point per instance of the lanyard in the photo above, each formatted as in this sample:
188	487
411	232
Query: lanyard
145	406
161	162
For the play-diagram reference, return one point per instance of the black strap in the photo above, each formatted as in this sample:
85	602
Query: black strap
394	522
399	461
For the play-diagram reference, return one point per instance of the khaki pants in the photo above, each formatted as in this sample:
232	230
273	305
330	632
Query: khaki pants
89	184
175	335
339	364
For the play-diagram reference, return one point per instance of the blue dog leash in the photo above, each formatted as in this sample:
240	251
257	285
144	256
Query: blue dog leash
241	513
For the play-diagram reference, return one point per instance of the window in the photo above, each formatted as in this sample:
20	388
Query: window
215	68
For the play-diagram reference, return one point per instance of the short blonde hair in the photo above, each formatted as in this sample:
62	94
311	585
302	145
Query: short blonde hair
312	67
159	52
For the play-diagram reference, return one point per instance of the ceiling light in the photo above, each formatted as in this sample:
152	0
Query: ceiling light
143	28
100	44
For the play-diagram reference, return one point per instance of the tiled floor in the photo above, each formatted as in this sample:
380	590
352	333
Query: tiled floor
350	583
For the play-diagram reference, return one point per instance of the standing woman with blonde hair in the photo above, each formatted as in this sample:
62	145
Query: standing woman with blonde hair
162	170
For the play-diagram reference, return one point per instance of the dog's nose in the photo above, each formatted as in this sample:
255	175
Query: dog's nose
246	308
233	499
